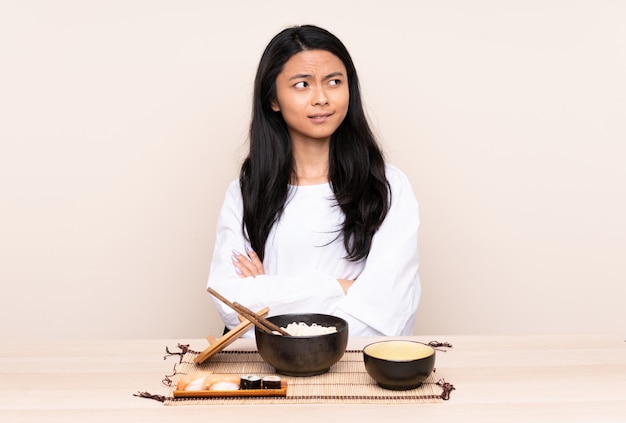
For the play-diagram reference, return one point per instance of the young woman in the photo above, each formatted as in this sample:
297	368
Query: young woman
317	222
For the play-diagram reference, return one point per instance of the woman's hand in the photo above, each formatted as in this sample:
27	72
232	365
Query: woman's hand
345	284
247	265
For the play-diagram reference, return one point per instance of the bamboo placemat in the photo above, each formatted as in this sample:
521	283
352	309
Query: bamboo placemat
347	382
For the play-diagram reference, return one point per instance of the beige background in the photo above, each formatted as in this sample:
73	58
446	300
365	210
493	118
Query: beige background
122	122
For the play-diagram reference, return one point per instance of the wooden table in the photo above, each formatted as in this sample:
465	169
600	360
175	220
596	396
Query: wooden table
569	378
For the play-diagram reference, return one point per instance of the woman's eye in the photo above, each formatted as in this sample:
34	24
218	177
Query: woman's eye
301	84
334	82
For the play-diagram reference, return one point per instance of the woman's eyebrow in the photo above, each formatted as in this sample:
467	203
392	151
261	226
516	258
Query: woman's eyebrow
309	76
301	76
333	75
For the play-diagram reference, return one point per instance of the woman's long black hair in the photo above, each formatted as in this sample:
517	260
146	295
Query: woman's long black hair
356	163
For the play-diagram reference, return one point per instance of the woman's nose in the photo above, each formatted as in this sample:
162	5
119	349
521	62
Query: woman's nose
319	97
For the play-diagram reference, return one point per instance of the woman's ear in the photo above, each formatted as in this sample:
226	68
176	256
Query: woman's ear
275	106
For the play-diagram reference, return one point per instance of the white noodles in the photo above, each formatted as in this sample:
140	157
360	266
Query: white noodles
302	329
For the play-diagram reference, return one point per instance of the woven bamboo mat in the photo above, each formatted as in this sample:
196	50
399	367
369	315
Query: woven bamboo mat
347	382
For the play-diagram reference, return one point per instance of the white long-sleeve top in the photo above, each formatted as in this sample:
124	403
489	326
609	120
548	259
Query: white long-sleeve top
304	257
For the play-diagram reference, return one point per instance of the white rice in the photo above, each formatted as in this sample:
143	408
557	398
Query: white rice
302	329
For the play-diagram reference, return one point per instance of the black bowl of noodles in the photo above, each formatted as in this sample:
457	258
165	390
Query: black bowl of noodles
308	351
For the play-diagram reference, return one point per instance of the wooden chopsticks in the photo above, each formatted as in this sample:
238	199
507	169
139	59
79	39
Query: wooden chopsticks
259	321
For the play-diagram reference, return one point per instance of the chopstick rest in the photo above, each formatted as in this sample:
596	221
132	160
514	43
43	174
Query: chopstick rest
217	345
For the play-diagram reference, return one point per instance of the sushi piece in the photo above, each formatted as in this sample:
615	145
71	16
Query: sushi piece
204	381
272	382
250	382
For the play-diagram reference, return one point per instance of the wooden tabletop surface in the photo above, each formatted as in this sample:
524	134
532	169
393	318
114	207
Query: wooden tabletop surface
548	378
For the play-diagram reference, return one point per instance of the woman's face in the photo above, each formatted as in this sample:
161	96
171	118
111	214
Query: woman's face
312	95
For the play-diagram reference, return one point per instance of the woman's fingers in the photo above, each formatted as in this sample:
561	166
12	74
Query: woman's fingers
256	262
247	265
242	264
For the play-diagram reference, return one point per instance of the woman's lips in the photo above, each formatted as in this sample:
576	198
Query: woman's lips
320	117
